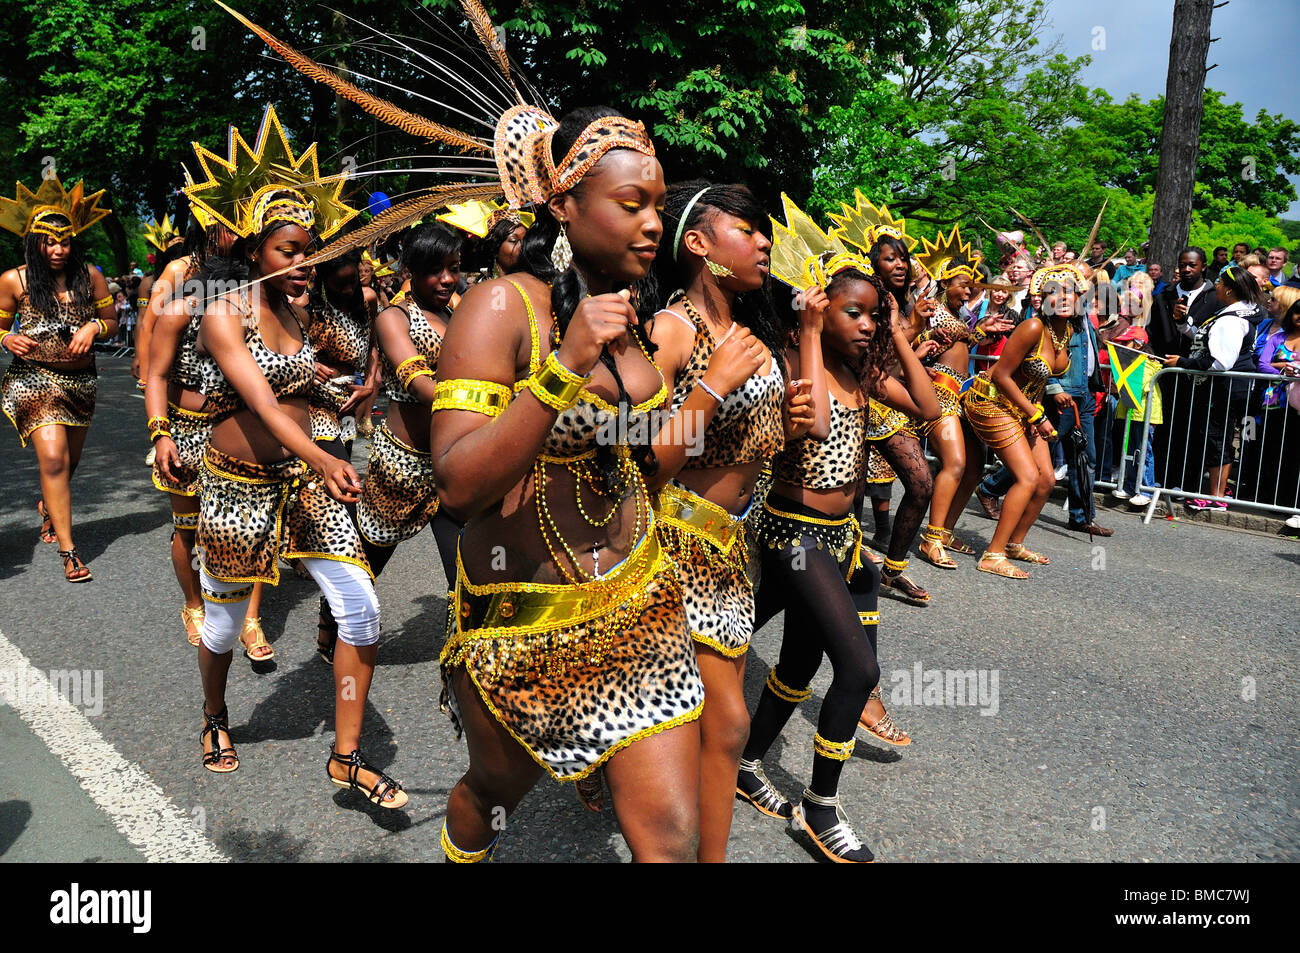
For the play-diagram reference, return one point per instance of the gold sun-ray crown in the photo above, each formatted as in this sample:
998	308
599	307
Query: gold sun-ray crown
862	224
478	217
232	185
200	214
160	235
26	210
948	256
803	255
382	268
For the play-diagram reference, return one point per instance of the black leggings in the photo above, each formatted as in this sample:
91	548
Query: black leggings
821	617
903	453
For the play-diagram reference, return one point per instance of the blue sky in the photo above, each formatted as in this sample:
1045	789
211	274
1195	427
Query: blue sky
1257	50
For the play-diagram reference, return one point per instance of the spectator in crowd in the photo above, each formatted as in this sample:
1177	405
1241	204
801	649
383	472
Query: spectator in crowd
1097	258
1225	342
1270	464
1216	264
1058	252
1157	273
1070	256
125	316
1020	270
1276	262
995	302
1131	266
1135	338
1239	251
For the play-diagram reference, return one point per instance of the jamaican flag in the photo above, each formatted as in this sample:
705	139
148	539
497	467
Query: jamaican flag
1128	371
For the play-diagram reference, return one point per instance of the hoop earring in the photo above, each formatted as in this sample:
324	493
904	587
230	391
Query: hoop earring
562	251
718	271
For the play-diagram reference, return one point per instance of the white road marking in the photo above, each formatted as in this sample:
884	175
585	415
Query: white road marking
138	808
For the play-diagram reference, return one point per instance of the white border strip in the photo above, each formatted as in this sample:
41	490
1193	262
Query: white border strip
138	808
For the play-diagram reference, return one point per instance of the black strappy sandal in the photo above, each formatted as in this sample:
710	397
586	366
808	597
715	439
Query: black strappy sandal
213	725
376	795
325	649
74	567
47	524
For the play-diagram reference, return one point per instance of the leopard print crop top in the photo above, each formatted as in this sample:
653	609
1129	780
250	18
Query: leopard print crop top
187	370
51	332
831	463
576	431
747	426
427	341
1037	369
290	375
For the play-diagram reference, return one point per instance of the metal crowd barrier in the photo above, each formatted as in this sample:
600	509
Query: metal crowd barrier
1259	444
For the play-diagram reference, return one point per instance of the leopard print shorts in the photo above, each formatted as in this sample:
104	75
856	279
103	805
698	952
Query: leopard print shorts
398	497
252	513
33	396
190	431
711	551
574	696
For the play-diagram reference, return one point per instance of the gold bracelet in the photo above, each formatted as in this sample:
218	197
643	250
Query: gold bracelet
555	385
978	334
5	316
104	302
1038	415
153	437
418	358
103	327
422	372
3	337
156	424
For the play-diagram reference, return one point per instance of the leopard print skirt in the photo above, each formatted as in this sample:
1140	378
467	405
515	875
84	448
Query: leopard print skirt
398	497
33	396
190	431
577	673
250	514
878	468
947	388
711	550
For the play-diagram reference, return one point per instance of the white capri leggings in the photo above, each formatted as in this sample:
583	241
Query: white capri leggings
347	588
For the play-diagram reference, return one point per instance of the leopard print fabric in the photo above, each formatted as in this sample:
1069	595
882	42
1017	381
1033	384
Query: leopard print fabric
573	719
827	464
190	433
252	514
427	341
398	497
717	587
290	375
878	468
52	332
747	427
884	421
340	340
187	370
33	396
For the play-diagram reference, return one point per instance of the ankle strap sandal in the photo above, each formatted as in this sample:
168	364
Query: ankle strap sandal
955	545
74	568
378	793
1018	551
213	725
753	787
838	842
1000	566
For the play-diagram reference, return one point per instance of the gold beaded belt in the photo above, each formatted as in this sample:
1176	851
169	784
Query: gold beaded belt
522	608
986	390
679	508
947	381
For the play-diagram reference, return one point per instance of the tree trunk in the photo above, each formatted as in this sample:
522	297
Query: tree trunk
1171	218
116	232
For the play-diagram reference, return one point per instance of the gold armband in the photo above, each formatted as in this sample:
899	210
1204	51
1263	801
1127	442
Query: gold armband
978	334
5	315
1038	414
480	397
555	385
104	302
411	368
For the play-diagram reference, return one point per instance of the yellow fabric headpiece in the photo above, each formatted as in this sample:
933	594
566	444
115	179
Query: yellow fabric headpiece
862	224
162	235
803	256
478	217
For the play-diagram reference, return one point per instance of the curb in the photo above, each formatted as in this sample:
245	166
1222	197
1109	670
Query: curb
1229	519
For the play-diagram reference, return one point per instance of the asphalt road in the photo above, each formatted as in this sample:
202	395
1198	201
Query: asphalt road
1143	708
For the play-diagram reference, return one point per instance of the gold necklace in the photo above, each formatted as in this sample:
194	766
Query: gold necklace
545	521
1059	343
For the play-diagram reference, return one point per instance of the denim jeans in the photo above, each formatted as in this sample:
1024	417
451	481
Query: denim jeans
1135	450
997	482
1080	509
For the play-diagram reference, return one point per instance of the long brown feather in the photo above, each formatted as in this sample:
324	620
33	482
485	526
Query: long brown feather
1092	235
400	216
378	107
488	36
1047	246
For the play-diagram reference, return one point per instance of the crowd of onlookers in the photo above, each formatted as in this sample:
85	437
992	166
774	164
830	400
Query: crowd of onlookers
1204	317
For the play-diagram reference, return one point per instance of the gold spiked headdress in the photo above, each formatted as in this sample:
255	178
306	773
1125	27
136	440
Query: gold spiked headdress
804	256
160	236
948	256
29	211
478	217
235	188
200	215
382	269
861	225
515	160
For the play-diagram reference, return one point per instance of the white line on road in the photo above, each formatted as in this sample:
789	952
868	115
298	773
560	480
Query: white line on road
138	808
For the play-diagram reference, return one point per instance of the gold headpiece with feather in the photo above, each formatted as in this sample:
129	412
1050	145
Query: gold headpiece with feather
516	161
477	218
162	235
948	256
30	211
236	187
803	256
382	269
861	225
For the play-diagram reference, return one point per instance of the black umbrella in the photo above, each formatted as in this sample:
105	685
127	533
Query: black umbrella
1076	446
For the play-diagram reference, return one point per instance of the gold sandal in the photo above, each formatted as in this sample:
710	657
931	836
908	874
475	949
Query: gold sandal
194	618
254	625
1004	566
932	551
886	729
1018	551
954	545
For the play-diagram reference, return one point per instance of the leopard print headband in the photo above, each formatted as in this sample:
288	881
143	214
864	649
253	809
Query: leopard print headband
283	205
